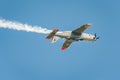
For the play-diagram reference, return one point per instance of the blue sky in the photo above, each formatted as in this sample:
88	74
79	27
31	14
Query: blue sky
28	56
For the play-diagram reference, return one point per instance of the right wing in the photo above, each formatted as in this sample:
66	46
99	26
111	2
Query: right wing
67	44
80	30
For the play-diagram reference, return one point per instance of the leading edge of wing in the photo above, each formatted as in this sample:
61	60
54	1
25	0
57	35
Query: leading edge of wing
80	30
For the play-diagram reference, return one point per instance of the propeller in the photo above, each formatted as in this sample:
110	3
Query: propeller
96	36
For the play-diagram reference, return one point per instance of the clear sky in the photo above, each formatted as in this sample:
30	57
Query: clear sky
28	56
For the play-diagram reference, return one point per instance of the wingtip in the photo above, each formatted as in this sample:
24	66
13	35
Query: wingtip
47	38
56	30
88	24
63	48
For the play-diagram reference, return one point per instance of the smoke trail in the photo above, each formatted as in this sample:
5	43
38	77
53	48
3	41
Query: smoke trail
23	27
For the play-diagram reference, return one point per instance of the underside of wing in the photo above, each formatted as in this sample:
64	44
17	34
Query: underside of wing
80	30
66	44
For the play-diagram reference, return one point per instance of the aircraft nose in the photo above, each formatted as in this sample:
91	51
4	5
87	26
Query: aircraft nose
94	38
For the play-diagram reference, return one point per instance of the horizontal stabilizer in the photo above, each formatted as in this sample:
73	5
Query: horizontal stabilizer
52	34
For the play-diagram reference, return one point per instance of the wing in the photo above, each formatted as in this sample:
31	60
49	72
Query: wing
67	44
81	29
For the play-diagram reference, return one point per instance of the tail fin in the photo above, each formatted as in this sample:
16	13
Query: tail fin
55	39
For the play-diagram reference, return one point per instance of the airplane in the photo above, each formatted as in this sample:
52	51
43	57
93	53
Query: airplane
71	36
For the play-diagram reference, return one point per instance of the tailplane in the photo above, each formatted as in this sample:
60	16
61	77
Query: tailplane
51	35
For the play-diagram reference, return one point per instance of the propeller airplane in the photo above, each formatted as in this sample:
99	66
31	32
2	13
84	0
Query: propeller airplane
71	36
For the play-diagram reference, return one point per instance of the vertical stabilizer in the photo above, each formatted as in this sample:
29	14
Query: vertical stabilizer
55	39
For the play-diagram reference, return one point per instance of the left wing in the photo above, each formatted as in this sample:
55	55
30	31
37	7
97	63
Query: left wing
80	30
67	44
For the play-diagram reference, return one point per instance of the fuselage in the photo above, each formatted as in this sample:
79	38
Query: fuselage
69	35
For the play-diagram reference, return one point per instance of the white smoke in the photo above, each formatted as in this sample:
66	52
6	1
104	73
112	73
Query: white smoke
23	27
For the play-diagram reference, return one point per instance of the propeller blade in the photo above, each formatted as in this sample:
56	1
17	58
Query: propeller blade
95	34
97	37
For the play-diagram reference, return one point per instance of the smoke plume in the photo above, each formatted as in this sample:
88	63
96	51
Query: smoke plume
23	27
